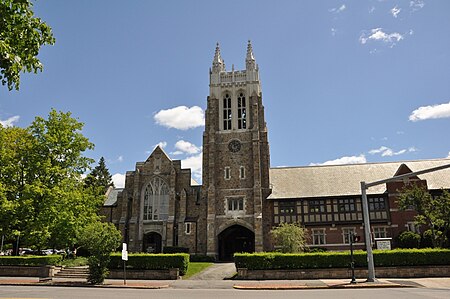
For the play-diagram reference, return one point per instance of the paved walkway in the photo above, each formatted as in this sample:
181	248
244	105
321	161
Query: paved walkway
218	271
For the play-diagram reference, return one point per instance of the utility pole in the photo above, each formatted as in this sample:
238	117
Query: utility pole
365	206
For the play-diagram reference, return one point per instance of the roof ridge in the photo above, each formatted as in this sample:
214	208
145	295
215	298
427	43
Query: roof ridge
368	163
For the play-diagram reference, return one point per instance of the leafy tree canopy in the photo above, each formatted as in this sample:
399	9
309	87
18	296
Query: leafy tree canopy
432	211
99	178
290	237
42	194
100	239
21	36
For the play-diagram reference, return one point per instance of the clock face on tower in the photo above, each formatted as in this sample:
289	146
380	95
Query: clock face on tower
234	146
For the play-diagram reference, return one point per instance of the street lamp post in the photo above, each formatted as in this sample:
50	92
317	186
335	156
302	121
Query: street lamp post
365	206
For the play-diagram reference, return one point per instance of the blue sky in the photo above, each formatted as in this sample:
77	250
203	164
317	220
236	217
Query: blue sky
343	81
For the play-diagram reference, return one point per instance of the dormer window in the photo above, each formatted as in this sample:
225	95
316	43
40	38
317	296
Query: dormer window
227	112
242	111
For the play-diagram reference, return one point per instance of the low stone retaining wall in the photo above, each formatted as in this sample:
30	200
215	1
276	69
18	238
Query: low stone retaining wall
169	274
380	272
27	271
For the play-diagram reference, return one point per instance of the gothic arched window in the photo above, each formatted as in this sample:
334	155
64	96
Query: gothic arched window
156	200
242	111
227	112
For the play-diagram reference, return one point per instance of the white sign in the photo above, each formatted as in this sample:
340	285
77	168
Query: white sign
124	246
384	245
124	255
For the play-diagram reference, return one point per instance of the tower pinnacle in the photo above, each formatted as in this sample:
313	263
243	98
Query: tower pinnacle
250	61
218	63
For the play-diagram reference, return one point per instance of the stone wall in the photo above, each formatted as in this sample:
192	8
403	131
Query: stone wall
380	272
27	271
146	274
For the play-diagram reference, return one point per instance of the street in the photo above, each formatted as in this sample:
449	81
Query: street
112	293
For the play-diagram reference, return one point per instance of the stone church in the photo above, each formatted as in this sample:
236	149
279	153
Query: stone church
241	198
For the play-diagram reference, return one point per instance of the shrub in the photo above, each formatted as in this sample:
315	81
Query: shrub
150	261
290	237
51	260
398	257
100	239
408	239
175	249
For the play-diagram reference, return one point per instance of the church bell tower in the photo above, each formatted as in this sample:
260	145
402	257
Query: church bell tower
235	159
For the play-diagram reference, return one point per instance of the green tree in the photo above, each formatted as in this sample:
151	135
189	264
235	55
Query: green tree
290	237
21	37
100	239
432	211
43	196
99	178
408	239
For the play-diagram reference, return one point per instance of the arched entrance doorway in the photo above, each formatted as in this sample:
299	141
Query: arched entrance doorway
152	243
236	238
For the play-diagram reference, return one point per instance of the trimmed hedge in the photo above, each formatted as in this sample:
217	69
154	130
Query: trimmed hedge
382	258
31	260
149	261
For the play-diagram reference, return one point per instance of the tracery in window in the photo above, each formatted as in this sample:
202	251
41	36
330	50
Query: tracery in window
156	200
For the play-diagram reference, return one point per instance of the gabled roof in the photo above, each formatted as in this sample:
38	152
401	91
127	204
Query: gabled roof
159	149
111	196
344	180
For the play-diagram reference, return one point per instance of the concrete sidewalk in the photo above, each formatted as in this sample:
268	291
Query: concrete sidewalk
441	283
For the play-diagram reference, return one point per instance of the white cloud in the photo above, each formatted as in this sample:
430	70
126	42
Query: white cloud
344	160
388	152
181	117
120	159
338	9
119	180
161	144
10	121
431	112
448	155
176	153
195	164
377	34
187	147
372	9
416	5
395	11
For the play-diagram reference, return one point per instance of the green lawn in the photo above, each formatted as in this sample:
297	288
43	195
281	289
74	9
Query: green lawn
195	268
79	261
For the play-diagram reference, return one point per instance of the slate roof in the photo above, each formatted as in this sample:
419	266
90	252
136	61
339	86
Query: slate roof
344	180
111	196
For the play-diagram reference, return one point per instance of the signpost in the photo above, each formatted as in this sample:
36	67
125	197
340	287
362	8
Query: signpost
353	239
124	259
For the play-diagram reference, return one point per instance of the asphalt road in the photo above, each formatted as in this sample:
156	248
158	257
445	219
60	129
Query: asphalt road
111	293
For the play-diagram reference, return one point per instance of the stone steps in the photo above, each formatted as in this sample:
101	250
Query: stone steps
73	272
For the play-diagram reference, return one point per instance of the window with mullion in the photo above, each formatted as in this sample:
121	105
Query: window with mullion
242	111
227	115
156	200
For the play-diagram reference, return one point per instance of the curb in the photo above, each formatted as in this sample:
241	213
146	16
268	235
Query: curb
81	285
306	287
